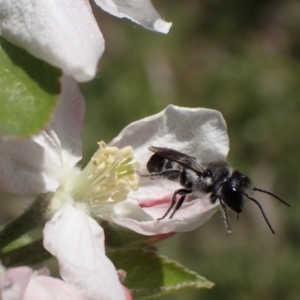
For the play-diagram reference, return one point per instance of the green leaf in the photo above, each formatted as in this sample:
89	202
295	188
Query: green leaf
149	274
28	91
22	241
118	237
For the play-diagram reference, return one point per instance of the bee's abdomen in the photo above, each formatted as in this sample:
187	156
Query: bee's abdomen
155	164
159	165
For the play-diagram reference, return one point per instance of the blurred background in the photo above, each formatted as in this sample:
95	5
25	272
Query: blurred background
243	59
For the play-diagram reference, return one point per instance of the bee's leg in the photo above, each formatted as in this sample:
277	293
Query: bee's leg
170	207
178	205
182	192
225	215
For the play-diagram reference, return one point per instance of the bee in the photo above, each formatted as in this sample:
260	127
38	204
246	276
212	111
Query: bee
224	184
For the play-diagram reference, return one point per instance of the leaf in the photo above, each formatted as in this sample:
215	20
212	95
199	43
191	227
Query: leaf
28	91
117	236
30	253
24	240
149	274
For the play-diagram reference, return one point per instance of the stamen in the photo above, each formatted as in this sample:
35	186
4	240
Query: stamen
109	176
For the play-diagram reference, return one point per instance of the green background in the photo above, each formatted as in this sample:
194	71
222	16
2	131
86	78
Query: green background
241	58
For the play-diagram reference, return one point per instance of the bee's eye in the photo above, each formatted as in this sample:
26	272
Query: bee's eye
207	173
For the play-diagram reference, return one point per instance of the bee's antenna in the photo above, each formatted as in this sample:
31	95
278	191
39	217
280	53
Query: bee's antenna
262	211
271	194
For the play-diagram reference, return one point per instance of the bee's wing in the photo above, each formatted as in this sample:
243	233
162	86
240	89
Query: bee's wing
181	158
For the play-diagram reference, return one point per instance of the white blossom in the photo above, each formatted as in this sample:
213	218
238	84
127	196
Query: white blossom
45	163
198	132
65	33
109	187
22	283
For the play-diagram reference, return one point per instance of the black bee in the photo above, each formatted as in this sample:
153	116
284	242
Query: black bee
217	178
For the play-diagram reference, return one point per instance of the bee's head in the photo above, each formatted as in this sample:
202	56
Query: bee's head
239	182
232	191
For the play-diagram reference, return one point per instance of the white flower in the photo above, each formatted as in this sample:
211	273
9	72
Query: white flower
108	185
22	283
77	241
198	132
46	163
65	33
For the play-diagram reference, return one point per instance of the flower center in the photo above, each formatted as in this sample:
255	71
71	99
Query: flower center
109	176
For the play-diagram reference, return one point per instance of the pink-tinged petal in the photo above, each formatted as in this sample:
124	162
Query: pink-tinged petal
138	11
198	132
13	283
127	293
77	241
48	288
63	33
143	220
34	165
22	283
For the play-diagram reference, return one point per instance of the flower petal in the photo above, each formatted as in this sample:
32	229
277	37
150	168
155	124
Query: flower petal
63	33
13	283
77	241
22	283
190	216
34	165
127	293
48	288
138	11
198	132
68	118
